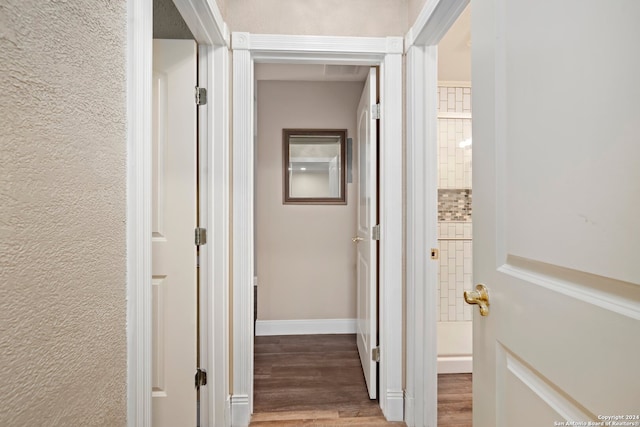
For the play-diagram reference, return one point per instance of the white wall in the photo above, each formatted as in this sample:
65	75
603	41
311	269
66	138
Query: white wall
62	213
377	18
305	256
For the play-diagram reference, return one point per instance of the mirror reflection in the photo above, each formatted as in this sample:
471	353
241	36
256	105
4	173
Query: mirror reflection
314	166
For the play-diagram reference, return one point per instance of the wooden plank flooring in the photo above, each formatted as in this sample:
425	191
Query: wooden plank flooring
316	380
454	400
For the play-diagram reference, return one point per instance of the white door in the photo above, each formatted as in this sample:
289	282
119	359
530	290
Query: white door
174	220
366	247
556	202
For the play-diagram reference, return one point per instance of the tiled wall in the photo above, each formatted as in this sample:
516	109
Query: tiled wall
454	99
454	161
454	203
454	275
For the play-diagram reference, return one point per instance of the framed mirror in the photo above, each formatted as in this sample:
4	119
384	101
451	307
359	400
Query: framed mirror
314	166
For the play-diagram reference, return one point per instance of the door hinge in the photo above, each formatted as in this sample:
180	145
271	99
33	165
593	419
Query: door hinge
375	111
435	253
375	232
201	236
201	95
375	354
201	377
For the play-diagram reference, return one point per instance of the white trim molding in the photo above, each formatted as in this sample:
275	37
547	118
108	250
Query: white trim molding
387	53
205	21
219	186
214	216
305	327
455	364
433	22
139	294
422	206
242	232
391	234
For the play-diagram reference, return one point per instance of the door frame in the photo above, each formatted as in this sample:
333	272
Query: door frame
387	53
210	32
421	48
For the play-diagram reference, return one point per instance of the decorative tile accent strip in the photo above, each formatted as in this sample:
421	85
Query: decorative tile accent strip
454	205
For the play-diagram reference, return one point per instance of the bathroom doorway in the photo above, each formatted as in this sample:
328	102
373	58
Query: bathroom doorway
454	230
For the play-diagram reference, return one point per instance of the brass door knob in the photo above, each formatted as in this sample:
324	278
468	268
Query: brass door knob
357	239
480	297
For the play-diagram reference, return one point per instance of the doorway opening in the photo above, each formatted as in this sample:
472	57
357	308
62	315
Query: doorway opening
454	230
251	49
306	310
175	307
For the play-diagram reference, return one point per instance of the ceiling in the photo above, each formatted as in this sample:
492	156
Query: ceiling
454	61
311	72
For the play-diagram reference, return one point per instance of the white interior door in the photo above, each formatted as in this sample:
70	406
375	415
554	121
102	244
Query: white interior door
556	199
174	220
366	247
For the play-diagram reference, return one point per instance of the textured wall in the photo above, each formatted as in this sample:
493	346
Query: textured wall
306	261
319	17
62	213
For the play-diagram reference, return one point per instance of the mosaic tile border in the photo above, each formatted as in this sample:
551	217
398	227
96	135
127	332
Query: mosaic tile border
454	204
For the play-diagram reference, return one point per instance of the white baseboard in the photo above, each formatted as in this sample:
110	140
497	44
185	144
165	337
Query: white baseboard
240	411
305	327
227	412
394	410
455	364
409	410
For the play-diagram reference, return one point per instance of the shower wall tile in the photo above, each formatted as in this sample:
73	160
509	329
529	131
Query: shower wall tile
454	205
454	99
455	270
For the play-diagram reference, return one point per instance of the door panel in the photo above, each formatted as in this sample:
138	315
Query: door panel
174	220
555	226
366	248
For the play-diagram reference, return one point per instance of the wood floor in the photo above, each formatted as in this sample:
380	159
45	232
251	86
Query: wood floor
316	380
454	400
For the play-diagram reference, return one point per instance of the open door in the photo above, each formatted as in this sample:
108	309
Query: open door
367	298
174	221
556	198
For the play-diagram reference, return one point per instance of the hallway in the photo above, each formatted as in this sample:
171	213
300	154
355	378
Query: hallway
316	380
311	380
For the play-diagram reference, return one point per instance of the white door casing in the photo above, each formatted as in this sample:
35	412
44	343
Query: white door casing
556	180
387	53
173	222
366	252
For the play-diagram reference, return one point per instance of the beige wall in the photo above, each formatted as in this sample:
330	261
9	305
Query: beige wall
454	51
62	213
319	17
414	9
305	257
